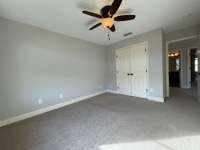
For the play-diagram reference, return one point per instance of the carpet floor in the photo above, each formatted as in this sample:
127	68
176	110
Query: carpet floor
111	122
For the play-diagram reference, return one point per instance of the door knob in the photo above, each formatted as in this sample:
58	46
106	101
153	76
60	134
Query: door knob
131	74
128	74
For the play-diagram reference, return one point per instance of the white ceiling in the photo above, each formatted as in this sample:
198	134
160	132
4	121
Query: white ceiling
64	16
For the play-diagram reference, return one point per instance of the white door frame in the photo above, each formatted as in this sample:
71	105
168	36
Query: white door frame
147	62
189	78
167	60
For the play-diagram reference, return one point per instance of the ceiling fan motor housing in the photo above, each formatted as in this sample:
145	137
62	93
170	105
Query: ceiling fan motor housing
105	11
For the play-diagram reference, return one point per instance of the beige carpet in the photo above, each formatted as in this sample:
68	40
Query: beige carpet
111	122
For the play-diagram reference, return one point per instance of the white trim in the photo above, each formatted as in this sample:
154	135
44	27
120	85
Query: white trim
167	70
189	77
47	109
147	65
167	60
181	75
183	65
184	38
156	99
151	98
188	67
112	91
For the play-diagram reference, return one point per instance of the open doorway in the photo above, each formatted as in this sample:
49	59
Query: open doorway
182	66
174	57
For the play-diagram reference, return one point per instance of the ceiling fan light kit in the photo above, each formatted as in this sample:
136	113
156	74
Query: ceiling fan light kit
107	17
107	22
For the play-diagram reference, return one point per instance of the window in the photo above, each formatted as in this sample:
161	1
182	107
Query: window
196	65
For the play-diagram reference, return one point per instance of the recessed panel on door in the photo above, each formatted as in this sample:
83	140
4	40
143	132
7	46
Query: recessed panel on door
123	69
139	70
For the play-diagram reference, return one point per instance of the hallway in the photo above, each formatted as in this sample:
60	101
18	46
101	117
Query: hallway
192	92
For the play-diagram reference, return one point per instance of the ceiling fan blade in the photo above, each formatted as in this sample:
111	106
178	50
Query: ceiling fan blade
115	6
92	14
95	26
124	18
112	28
91	22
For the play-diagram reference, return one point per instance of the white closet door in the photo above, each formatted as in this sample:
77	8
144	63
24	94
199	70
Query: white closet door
123	68
139	70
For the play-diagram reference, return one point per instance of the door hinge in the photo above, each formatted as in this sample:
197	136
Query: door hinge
145	50
116	56
147	90
146	71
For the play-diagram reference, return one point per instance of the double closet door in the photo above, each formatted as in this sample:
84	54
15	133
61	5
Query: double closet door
131	70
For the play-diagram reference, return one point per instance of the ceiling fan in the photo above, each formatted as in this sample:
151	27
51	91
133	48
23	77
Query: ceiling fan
107	16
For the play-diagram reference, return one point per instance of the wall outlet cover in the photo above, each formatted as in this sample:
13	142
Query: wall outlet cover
61	96
40	101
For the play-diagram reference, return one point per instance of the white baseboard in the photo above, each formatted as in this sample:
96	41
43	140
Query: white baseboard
112	91
47	109
156	99
151	98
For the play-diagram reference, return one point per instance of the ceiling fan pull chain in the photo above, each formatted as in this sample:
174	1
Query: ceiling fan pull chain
108	35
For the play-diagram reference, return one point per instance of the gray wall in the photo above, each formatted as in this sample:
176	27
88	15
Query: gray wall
36	63
156	53
190	31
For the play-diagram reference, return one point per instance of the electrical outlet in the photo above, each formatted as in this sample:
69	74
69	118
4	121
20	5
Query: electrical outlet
40	101
61	96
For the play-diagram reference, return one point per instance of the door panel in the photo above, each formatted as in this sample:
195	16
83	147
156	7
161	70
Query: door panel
139	68
123	68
